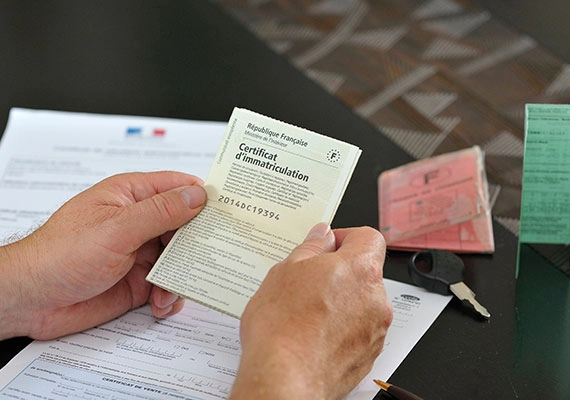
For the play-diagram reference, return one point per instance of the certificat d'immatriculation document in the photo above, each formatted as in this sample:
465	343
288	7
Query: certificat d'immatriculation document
270	183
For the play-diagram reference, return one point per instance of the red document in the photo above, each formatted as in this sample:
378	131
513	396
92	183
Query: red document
438	203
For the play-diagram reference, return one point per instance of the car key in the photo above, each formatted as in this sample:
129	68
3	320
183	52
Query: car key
441	272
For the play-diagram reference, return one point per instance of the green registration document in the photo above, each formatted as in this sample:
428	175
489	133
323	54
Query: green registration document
545	204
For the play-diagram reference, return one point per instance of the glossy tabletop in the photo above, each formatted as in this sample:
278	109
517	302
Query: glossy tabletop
191	60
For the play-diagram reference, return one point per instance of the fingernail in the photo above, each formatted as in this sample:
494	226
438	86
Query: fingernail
319	231
194	196
167	299
164	311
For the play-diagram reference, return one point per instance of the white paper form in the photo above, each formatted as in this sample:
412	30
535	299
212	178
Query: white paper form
415	309
192	355
46	157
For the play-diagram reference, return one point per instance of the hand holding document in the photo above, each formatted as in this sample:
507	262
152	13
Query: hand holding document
439	203
271	182
45	158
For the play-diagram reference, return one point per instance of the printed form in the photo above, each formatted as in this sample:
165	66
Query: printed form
47	157
270	183
193	355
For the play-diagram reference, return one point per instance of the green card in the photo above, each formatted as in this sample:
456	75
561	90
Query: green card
545	204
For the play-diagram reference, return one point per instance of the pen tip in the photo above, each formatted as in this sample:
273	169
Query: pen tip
382	384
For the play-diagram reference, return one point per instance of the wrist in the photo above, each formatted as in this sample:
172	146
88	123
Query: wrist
15	313
275	373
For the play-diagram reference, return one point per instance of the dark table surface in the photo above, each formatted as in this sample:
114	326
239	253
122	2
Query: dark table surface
188	59
546	22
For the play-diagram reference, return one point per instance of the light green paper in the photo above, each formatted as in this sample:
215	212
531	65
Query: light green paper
545	204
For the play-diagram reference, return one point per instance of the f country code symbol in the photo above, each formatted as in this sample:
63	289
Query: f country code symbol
333	155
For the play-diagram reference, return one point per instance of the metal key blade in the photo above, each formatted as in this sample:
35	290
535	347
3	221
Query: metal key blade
463	293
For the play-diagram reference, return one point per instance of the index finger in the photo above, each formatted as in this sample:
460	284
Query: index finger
360	237
363	246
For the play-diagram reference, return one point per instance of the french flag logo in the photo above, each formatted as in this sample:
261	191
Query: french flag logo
138	131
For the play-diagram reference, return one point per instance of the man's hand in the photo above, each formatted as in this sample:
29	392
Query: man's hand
318	321
87	264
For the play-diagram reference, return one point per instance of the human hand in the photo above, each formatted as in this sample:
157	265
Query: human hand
87	264
318	320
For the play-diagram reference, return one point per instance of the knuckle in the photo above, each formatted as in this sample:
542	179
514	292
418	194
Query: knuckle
311	247
388	314
374	235
164	206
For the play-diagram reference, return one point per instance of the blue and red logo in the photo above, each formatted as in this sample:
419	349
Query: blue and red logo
138	131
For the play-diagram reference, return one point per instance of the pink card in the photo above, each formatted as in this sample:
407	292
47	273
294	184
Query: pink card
441	203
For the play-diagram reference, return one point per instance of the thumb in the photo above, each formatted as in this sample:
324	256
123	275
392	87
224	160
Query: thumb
161	213
319	240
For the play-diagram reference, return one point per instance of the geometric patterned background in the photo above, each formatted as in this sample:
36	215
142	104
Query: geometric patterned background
432	75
